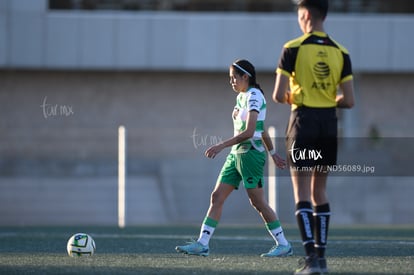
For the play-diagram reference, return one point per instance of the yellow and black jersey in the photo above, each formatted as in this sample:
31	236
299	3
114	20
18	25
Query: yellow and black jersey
315	64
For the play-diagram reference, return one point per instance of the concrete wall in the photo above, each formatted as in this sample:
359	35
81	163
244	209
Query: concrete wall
60	167
33	37
69	79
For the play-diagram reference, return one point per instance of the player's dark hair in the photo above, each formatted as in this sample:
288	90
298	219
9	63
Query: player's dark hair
245	67
318	8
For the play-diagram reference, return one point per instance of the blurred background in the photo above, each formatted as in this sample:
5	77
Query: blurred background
73	71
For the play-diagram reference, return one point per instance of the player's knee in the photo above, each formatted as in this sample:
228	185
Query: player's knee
217	198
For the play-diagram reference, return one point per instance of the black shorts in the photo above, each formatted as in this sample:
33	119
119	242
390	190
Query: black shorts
311	137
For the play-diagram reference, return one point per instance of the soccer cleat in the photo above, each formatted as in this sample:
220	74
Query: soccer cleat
279	251
193	248
309	265
323	266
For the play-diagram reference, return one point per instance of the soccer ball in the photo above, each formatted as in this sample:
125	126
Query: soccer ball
81	244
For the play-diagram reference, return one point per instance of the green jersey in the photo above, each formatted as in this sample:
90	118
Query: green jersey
251	100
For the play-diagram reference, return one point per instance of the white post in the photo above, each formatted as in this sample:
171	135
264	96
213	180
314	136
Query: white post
272	185
121	175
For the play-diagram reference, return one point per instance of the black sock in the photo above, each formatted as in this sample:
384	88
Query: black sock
321	217
304	217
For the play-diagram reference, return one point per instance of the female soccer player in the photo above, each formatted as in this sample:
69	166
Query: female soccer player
245	163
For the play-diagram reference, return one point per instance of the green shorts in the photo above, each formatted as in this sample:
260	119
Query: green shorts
247	167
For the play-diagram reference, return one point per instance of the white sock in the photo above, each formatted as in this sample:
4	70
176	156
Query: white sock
206	232
278	236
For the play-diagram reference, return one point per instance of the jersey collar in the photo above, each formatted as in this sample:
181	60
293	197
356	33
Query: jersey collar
318	33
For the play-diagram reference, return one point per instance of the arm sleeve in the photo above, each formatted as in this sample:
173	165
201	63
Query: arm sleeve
255	101
287	60
347	68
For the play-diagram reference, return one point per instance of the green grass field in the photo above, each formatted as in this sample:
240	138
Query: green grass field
233	250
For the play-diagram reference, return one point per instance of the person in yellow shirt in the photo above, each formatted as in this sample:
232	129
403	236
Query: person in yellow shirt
311	69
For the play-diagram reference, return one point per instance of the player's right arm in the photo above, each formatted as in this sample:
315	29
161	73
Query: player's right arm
278	160
284	71
280	91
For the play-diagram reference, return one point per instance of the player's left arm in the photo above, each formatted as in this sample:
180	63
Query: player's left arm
347	98
242	136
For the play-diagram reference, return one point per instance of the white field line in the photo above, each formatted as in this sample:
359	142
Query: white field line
189	237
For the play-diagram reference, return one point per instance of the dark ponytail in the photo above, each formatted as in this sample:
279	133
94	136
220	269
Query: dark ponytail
242	67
